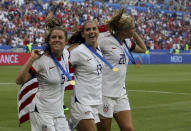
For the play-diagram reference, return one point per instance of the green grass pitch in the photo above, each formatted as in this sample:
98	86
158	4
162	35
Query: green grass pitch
160	98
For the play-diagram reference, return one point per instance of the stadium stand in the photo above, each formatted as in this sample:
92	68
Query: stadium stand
163	24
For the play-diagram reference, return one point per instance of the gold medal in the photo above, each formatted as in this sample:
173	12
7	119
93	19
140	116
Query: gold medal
115	69
72	82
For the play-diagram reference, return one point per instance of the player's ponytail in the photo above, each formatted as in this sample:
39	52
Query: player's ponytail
113	24
52	24
76	38
120	22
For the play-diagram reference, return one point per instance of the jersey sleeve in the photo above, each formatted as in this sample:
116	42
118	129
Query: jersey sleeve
74	57
36	66
104	44
100	43
131	44
66	57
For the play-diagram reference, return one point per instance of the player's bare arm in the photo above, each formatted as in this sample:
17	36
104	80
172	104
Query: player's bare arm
140	46
24	75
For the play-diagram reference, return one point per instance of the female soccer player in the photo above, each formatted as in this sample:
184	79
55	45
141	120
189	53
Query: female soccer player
116	47
46	112
87	93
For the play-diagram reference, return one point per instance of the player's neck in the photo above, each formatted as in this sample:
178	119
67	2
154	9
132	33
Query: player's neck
93	45
57	54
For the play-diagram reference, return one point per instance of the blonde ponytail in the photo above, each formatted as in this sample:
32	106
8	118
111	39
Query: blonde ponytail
119	22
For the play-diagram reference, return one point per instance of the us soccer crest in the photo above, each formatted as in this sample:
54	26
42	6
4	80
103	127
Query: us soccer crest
105	108
44	128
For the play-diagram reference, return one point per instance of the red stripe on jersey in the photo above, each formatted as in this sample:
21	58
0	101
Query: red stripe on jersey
33	69
71	69
133	45
70	87
59	58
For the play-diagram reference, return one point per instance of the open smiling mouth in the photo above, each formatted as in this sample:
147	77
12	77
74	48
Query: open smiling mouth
92	36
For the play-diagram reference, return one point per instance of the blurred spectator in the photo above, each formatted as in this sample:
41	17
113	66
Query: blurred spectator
23	23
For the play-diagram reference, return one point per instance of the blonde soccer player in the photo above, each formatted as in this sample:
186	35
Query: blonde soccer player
117	45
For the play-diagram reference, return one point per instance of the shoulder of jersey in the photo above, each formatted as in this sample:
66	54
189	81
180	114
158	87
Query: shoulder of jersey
127	40
104	34
66	53
109	39
79	48
41	58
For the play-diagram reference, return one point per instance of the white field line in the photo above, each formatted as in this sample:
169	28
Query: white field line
160	92
142	91
163	105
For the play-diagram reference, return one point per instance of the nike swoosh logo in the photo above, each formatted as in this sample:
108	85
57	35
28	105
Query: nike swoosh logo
51	67
89	59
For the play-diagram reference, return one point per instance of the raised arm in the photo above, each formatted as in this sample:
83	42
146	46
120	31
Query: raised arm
24	75
140	46
76	24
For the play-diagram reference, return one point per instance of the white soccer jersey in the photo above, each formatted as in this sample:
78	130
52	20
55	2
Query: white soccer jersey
50	94
103	35
114	82
88	75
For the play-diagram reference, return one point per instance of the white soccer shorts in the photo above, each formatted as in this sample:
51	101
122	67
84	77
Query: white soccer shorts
80	111
41	122
112	105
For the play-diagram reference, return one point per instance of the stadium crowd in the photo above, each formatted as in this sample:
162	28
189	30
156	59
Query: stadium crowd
21	24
